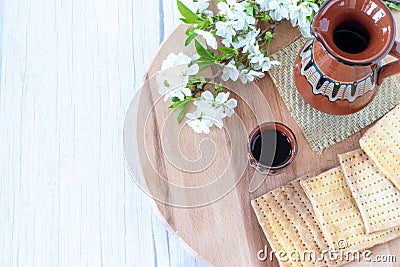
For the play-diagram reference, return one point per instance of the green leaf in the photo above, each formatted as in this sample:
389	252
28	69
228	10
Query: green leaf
182	111
179	103
175	99
224	57
176	104
188	21
190	38
218	88
266	17
189	16
228	51
250	10
180	106
196	79
393	5
166	83
204	64
269	35
204	24
203	52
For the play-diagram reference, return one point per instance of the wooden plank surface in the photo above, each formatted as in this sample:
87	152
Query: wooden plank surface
225	232
68	72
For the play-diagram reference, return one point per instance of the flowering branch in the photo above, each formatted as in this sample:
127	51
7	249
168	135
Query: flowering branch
235	42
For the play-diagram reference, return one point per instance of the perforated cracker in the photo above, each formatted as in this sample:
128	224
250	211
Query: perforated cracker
338	214
377	198
288	221
382	145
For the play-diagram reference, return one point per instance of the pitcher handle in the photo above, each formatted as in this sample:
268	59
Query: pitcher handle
391	68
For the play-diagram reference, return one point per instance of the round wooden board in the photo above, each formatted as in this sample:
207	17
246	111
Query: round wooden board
224	232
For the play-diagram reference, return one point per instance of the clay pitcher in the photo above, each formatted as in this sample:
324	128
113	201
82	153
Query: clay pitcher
339	71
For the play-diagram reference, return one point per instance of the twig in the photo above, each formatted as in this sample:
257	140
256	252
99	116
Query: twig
270	29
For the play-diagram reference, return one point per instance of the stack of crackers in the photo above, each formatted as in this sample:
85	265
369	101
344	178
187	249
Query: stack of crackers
345	210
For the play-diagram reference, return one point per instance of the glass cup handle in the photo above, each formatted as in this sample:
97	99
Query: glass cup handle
393	68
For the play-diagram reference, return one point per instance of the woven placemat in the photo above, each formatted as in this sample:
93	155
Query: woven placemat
320	129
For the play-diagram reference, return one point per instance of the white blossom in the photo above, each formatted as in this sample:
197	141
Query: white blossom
300	12
208	13
263	4
225	9
174	76
172	83
196	5
206	114
243	21
240	31
174	60
238	18
211	111
251	20
229	7
259	61
221	98
198	124
305	31
230	71
216	108
256	57
180	93
248	42
240	42
249	75
226	31
268	63
192	70
195	57
278	9
228	105
180	60
209	37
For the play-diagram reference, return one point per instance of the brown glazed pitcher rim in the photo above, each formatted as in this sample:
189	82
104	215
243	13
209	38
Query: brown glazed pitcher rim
350	59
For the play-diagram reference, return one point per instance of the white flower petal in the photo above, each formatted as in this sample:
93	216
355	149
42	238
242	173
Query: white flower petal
207	95
193	70
225	76
231	103
222	98
229	112
195	57
186	91
223	6
208	13
227	42
205	129
196	125
234	75
305	31
209	37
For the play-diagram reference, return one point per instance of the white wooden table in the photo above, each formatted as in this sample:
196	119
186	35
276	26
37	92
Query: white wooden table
69	70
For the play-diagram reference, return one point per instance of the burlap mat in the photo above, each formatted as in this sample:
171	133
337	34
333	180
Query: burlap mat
322	130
